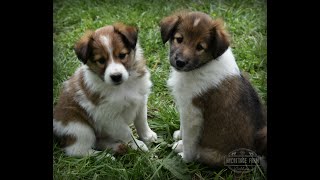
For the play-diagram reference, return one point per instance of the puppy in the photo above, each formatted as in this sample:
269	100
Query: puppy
219	109
105	95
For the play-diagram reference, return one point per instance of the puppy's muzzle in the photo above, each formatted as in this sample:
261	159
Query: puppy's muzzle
180	64
116	78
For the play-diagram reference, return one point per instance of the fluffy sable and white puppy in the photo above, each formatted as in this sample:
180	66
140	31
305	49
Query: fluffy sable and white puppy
219	109
105	95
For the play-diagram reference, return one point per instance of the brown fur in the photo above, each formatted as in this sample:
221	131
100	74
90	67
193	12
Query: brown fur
233	116
210	34
123	40
67	109
67	140
129	32
261	141
82	49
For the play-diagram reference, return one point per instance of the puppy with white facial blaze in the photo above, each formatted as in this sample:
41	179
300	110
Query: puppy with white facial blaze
105	95
219	109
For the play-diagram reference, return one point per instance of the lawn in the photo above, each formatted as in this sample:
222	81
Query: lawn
246	21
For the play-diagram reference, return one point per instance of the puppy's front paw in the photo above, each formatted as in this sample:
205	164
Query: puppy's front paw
111	157
97	153
177	135
178	147
181	155
184	157
149	136
141	145
92	152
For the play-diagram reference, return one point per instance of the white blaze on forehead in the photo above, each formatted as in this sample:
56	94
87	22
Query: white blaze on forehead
196	22
115	68
106	42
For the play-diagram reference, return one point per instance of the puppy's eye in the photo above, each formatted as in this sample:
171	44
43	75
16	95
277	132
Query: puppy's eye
199	47
179	39
101	61
122	55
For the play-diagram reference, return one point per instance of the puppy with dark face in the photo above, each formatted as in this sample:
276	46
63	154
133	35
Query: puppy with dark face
219	109
192	42
105	95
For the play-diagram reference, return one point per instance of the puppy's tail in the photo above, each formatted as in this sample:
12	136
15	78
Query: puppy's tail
261	141
210	157
261	146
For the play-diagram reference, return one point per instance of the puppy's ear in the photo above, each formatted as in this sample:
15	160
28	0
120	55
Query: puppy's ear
168	26
82	47
129	34
220	38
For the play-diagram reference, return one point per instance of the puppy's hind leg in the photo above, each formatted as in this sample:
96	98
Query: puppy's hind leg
79	138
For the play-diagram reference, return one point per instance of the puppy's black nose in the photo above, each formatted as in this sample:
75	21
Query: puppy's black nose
180	63
116	77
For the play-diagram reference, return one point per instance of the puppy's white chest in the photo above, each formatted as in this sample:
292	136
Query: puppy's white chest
116	104
184	88
122	101
116	109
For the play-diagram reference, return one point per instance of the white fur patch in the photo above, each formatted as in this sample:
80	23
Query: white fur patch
177	135
138	53
84	135
196	22
106	41
118	104
141	124
186	85
178	146
191	120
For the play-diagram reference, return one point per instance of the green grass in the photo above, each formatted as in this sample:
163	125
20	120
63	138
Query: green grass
246	22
